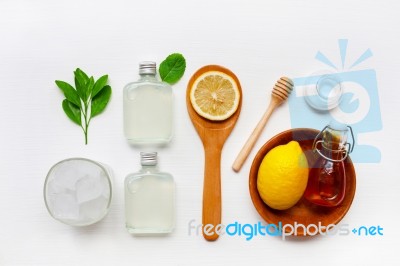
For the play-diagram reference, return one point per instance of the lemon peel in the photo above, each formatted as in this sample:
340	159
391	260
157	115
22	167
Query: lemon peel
282	176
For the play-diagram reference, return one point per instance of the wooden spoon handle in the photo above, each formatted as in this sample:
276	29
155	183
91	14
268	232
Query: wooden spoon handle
212	192
244	153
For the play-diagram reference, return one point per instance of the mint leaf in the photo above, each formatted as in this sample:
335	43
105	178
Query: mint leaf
172	68
99	85
87	100
80	82
80	89
89	88
83	76
100	101
69	92
72	111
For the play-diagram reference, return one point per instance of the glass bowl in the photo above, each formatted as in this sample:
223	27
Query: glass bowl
78	191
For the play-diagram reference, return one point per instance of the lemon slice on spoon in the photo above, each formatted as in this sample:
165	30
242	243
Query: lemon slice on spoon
215	95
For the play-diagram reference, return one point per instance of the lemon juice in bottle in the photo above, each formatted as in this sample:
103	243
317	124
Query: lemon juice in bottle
147	107
149	199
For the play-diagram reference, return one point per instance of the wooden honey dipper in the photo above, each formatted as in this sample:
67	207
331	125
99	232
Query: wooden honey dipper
280	93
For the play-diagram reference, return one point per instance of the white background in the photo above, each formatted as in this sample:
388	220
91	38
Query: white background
41	41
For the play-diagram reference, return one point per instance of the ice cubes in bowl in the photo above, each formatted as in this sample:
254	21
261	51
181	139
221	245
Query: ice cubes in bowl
78	191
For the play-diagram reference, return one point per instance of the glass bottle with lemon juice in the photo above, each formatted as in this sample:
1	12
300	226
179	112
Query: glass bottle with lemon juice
148	108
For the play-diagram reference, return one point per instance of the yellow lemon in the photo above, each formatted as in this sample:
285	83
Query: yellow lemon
215	95
282	176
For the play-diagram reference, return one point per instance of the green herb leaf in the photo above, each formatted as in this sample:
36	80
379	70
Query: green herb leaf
99	85
89	88
80	89
172	68
80	82
72	111
100	101
69	92
83	76
89	99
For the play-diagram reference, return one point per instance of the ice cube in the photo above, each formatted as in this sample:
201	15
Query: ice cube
66	175
65	206
90	187
85	168
54	188
94	209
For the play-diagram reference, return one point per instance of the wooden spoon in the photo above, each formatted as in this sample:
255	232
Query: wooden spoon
279	94
213	135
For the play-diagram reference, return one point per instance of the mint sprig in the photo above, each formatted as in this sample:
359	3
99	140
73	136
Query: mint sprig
172	68
88	99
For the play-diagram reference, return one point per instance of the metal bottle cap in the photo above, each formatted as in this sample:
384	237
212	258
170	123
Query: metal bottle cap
148	158
147	67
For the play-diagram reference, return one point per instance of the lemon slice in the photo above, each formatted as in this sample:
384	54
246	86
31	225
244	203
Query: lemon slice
215	95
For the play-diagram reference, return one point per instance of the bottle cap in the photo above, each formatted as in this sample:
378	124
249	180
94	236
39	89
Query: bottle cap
147	67
148	158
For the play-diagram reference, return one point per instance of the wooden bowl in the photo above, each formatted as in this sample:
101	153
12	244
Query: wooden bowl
303	212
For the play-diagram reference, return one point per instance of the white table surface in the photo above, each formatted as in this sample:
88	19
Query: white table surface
43	40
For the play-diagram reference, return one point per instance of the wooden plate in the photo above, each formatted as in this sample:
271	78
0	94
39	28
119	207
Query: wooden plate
303	212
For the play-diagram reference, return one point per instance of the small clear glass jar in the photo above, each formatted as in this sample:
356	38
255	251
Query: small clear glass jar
326	94
327	178
78	191
149	199
148	108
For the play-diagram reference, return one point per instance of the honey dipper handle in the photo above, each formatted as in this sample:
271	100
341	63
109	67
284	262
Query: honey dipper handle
244	153
212	192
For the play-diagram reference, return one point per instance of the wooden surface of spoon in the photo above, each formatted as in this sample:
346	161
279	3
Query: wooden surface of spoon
213	135
280	93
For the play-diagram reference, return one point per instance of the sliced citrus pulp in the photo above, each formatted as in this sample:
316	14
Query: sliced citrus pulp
215	95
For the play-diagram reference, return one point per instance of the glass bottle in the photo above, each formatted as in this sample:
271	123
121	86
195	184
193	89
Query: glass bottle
327	178
149	199
148	108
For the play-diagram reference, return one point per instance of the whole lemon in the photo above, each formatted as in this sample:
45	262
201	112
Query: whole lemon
282	176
